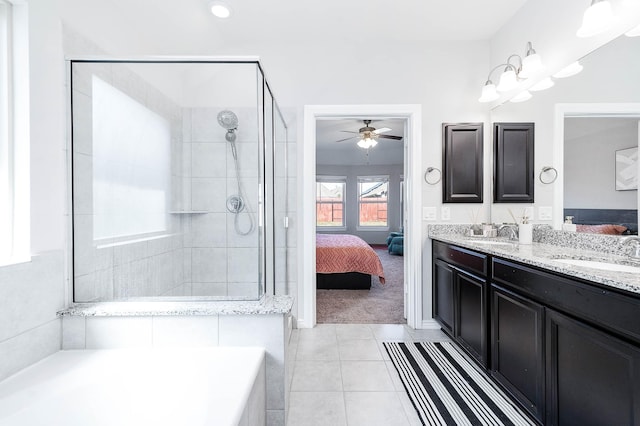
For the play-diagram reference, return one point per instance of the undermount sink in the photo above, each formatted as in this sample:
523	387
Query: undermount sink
603	265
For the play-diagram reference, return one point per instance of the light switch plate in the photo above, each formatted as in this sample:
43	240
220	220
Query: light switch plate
544	213
445	213
428	213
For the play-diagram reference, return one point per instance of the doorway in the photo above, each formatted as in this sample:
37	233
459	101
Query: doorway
411	116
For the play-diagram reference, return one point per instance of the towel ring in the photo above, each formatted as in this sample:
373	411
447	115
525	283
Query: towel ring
548	169
433	181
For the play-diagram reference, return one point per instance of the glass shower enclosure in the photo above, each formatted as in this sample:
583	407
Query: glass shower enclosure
175	171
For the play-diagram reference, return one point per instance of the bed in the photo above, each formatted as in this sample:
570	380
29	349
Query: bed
345	262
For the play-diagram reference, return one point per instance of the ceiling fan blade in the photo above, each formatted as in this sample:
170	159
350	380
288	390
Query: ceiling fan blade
382	130
349	131
346	139
397	138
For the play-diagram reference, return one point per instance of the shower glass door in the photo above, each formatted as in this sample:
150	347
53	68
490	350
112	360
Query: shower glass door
168	165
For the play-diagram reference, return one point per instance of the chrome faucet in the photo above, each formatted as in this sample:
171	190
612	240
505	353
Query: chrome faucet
513	230
633	239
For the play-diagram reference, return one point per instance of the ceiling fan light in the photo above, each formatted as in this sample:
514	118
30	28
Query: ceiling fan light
367	143
220	9
522	96
489	92
596	19
508	81
571	69
542	85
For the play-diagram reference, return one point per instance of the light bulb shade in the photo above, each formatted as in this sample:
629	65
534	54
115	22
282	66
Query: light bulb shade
489	93
634	32
220	9
531	64
569	70
367	143
508	81
597	19
522	96
542	85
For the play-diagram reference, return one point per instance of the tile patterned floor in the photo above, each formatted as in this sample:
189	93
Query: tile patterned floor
342	376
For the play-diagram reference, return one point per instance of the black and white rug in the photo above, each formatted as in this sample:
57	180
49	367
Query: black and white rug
446	389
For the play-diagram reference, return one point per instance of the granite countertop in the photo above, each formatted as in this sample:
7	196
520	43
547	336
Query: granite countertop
542	255
276	305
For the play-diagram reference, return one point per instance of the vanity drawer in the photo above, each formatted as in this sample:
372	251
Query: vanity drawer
619	313
468	259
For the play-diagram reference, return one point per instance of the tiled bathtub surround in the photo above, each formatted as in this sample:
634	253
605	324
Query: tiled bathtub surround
262	323
549	245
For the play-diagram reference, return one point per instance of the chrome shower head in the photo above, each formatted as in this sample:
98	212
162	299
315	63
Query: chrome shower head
228	119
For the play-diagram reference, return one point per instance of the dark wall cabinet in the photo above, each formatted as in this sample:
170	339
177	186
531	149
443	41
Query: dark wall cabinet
513	175
567	350
462	160
460	297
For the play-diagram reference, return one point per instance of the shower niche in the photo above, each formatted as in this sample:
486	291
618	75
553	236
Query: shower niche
179	181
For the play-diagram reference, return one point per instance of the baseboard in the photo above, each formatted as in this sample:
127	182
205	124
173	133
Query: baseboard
301	323
430	324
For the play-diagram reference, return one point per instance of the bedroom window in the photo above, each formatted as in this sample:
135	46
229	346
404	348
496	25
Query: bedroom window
373	201
330	202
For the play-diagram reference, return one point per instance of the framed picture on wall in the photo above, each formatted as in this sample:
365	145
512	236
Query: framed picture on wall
627	169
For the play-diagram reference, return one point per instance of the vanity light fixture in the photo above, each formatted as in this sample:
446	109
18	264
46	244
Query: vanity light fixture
543	84
597	19
220	9
571	69
522	96
512	74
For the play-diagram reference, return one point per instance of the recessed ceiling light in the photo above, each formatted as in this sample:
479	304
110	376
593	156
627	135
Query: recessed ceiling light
220	9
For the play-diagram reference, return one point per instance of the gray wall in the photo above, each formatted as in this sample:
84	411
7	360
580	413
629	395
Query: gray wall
589	162
351	203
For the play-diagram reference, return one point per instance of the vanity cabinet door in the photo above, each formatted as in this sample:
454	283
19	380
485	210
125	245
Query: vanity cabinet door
471	315
593	378
462	159
443	309
513	174
517	357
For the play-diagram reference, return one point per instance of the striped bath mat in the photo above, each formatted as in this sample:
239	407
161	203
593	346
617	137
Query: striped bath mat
446	389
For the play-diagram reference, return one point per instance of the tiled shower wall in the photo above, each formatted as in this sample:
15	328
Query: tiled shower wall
218	260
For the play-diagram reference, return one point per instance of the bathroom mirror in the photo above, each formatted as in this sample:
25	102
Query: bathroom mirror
608	89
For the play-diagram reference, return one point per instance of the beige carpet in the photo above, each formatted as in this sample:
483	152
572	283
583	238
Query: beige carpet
382	304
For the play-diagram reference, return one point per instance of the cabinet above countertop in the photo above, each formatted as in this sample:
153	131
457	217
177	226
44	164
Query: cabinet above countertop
609	270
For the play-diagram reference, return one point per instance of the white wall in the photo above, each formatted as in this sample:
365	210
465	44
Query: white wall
351	212
32	292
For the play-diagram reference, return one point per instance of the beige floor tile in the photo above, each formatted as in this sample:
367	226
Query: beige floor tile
319	350
317	376
366	376
316	409
359	350
354	332
374	409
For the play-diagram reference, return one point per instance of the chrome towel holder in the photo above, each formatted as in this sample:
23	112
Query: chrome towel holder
545	170
432	180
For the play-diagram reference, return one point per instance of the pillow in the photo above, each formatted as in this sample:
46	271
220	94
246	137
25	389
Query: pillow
602	229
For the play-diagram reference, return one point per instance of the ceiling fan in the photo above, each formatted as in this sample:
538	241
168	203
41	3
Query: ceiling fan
368	135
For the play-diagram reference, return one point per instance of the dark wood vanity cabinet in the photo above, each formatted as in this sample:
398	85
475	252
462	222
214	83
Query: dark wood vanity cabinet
593	378
462	153
567	350
513	175
517	356
460	297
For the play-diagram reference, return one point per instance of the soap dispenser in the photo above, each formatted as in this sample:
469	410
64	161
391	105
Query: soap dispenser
568	224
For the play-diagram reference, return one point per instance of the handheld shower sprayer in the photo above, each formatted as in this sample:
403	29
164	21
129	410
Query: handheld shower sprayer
236	203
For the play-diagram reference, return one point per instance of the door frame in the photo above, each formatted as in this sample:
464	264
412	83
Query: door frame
412	114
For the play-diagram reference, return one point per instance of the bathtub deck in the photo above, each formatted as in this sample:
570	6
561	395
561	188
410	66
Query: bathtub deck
208	386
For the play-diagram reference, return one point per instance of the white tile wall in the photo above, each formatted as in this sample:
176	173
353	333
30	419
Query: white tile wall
118	332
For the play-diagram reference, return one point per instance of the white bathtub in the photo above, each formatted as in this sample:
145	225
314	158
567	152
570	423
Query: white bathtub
208	386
